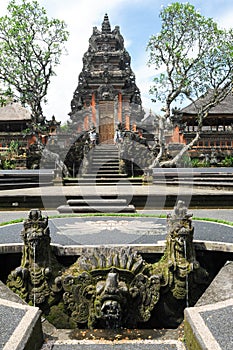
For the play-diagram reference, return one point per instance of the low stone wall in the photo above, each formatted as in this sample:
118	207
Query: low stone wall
209	324
20	324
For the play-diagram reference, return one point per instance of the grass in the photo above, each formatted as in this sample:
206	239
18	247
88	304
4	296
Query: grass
162	216
218	221
15	221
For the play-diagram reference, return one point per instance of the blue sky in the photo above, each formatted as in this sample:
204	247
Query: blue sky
138	20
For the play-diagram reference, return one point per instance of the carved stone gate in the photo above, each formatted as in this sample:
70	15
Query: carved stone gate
106	121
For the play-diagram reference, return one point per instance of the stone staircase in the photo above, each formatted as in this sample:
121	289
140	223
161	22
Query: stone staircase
218	178
25	178
103	169
96	205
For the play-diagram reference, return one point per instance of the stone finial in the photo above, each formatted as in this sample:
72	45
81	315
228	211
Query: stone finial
106	27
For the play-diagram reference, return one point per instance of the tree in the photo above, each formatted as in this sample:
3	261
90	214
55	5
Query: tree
30	47
196	58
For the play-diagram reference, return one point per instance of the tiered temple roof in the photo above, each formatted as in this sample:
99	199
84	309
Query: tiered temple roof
106	83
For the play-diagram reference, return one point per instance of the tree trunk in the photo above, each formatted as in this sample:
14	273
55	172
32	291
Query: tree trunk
173	162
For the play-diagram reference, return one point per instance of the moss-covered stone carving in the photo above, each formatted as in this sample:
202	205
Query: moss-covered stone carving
111	287
34	280
183	280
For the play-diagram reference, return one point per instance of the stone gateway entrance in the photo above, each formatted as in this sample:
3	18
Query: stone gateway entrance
107	93
106	121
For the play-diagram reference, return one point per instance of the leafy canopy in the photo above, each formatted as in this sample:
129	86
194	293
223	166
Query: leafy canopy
194	56
31	45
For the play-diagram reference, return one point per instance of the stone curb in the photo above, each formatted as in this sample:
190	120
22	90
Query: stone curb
28	333
197	334
78	344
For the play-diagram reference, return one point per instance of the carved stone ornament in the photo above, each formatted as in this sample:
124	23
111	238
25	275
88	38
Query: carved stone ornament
111	287
34	279
106	63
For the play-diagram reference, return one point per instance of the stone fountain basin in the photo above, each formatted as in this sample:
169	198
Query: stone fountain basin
213	247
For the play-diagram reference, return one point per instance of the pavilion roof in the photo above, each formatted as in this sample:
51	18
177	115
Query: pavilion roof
224	107
14	112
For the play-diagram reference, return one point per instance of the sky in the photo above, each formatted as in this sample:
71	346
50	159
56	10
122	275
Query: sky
138	21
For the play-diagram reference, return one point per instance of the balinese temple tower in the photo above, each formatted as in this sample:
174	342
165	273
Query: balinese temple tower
107	93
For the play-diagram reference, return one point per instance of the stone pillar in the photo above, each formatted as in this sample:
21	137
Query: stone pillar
93	109
120	107
127	122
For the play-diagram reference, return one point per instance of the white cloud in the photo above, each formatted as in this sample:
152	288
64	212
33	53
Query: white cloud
3	6
225	21
81	17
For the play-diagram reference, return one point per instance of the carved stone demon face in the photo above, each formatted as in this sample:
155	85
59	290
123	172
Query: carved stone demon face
109	288
181	239
111	300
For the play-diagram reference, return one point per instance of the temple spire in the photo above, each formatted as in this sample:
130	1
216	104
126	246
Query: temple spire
106	28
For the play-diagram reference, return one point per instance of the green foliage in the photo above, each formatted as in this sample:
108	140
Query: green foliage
65	127
30	47
14	147
195	56
185	161
5	97
227	161
7	164
197	163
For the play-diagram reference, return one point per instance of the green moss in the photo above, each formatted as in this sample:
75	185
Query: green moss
191	341
58	317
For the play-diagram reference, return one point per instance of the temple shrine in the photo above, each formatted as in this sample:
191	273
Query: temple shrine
107	95
216	132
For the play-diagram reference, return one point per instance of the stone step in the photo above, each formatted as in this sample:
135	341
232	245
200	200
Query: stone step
196	183
104	165
100	162
114	176
105	158
105	168
102	150
62	209
96	202
193	178
102	182
102	172
104	146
